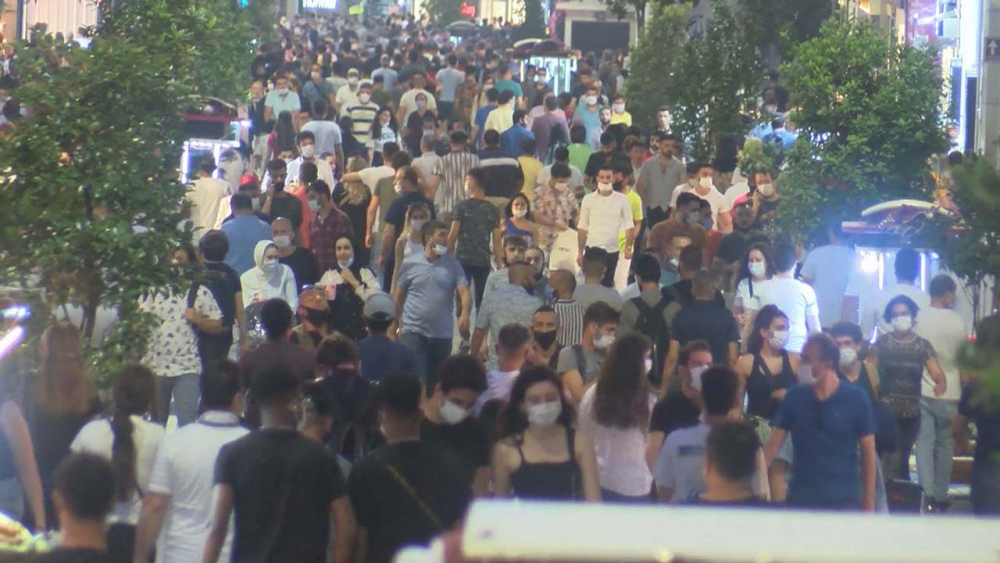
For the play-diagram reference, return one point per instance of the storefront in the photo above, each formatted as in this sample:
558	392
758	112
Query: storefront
59	16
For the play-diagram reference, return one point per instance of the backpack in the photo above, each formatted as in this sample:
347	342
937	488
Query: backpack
652	324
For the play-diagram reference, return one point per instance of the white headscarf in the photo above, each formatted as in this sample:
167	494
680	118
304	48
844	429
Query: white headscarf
278	283
274	279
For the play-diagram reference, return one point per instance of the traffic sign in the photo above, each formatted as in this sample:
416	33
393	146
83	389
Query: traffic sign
991	49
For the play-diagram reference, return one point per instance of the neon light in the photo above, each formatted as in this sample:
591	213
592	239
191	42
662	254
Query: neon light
10	340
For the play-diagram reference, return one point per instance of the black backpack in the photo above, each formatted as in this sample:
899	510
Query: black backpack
652	324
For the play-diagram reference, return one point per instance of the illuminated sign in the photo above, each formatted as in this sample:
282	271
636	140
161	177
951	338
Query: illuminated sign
319	4
468	10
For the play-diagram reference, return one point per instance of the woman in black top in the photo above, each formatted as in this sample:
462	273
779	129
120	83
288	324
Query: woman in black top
352	284
353	198
766	372
541	455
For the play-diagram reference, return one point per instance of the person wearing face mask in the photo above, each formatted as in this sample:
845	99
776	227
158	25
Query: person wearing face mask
545	348
348	95
541	455
328	225
906	268
615	413
350	284
757	268
408	193
556	208
280	203
518	219
272	454
734	245
603	215
766	373
316	88
618	114
425	294
512	303
682	406
831	423
657	179
269	279
314	317
581	363
409	490
678	470
701	173
282	99
363	113
408	102
795	298
901	357
588	114
410	241
307	153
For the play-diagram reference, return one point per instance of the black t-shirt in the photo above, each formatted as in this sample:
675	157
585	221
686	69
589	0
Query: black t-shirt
734	246
601	158
224	283
467	440
289	207
283	485
396	215
303	265
675	411
705	320
682	293
72	555
407	493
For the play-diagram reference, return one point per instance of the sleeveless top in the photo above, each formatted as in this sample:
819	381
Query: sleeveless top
762	383
558	480
411	248
512	230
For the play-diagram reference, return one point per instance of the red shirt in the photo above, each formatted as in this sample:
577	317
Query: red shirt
323	237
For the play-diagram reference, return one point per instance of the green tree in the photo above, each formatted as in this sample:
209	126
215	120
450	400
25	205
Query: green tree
868	121
788	22
707	82
444	12
533	26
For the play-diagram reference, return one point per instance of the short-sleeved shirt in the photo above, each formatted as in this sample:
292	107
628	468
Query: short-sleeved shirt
825	434
243	233
449	79
172	349
798	301
706	320
579	154
679	465
660	181
673	412
637	216
467	440
452	168
478	218
829	269
568	362
556	205
511	85
589	293
277	103
508	304
397	487
283	485
396	215
184	471
430	294
900	369
328	136
604	218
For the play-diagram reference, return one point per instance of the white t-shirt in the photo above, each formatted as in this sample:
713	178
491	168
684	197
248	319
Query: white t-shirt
945	330
323	169
328	136
621	452
97	437
735	192
714	198
575	177
750	302
185	471
205	195
797	300
873	307
408	103
828	268
371	175
450	79
604	218
346	97
498	386
427	163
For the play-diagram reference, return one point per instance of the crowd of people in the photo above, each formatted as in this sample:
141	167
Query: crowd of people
453	280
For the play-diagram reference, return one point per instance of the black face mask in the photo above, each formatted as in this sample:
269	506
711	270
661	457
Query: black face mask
317	318
545	339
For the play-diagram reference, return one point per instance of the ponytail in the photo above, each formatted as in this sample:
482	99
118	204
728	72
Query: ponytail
133	391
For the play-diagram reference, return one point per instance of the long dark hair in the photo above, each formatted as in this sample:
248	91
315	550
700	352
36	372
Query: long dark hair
763	321
765	250
513	421
133	390
725	154
622	395
284	131
508	211
377	125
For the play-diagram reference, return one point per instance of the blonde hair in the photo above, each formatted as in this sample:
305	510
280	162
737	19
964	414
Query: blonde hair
357	192
63	384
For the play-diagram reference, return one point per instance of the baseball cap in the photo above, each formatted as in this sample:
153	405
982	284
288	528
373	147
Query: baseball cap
380	307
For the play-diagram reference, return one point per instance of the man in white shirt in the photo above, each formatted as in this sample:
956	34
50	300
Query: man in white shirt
205	195
945	330
701	185
428	161
329	138
604	215
408	101
511	352
828	269
795	299
307	153
282	99
176	512
348	95
906	269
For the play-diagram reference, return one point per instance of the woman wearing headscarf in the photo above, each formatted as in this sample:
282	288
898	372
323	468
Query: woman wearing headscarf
350	284
269	278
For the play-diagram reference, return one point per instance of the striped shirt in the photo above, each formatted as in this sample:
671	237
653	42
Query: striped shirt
570	315
451	168
363	115
504	177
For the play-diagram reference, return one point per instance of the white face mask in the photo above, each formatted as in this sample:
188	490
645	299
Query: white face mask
282	241
345	264
314	206
806	374
605	188
364	98
675	262
902	324
269	265
779	339
352	79
452	413
519	212
398	187
847	356
590	100
309	152
757	269
417	224
696	374
649	364
544	414
604	341
255	202
316	76
561	185
766	190
705	182
440	249
282	91
619	108
421	104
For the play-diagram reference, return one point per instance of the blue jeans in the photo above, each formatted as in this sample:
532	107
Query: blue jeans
185	391
935	446
431	352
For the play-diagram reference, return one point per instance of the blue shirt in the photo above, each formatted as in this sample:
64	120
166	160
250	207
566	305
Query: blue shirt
591	122
507	304
381	356
781	137
481	115
244	232
511	139
430	294
825	437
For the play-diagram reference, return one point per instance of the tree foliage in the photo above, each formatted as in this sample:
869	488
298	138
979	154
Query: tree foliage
444	12
974	252
533	21
89	181
707	82
788	22
868	121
